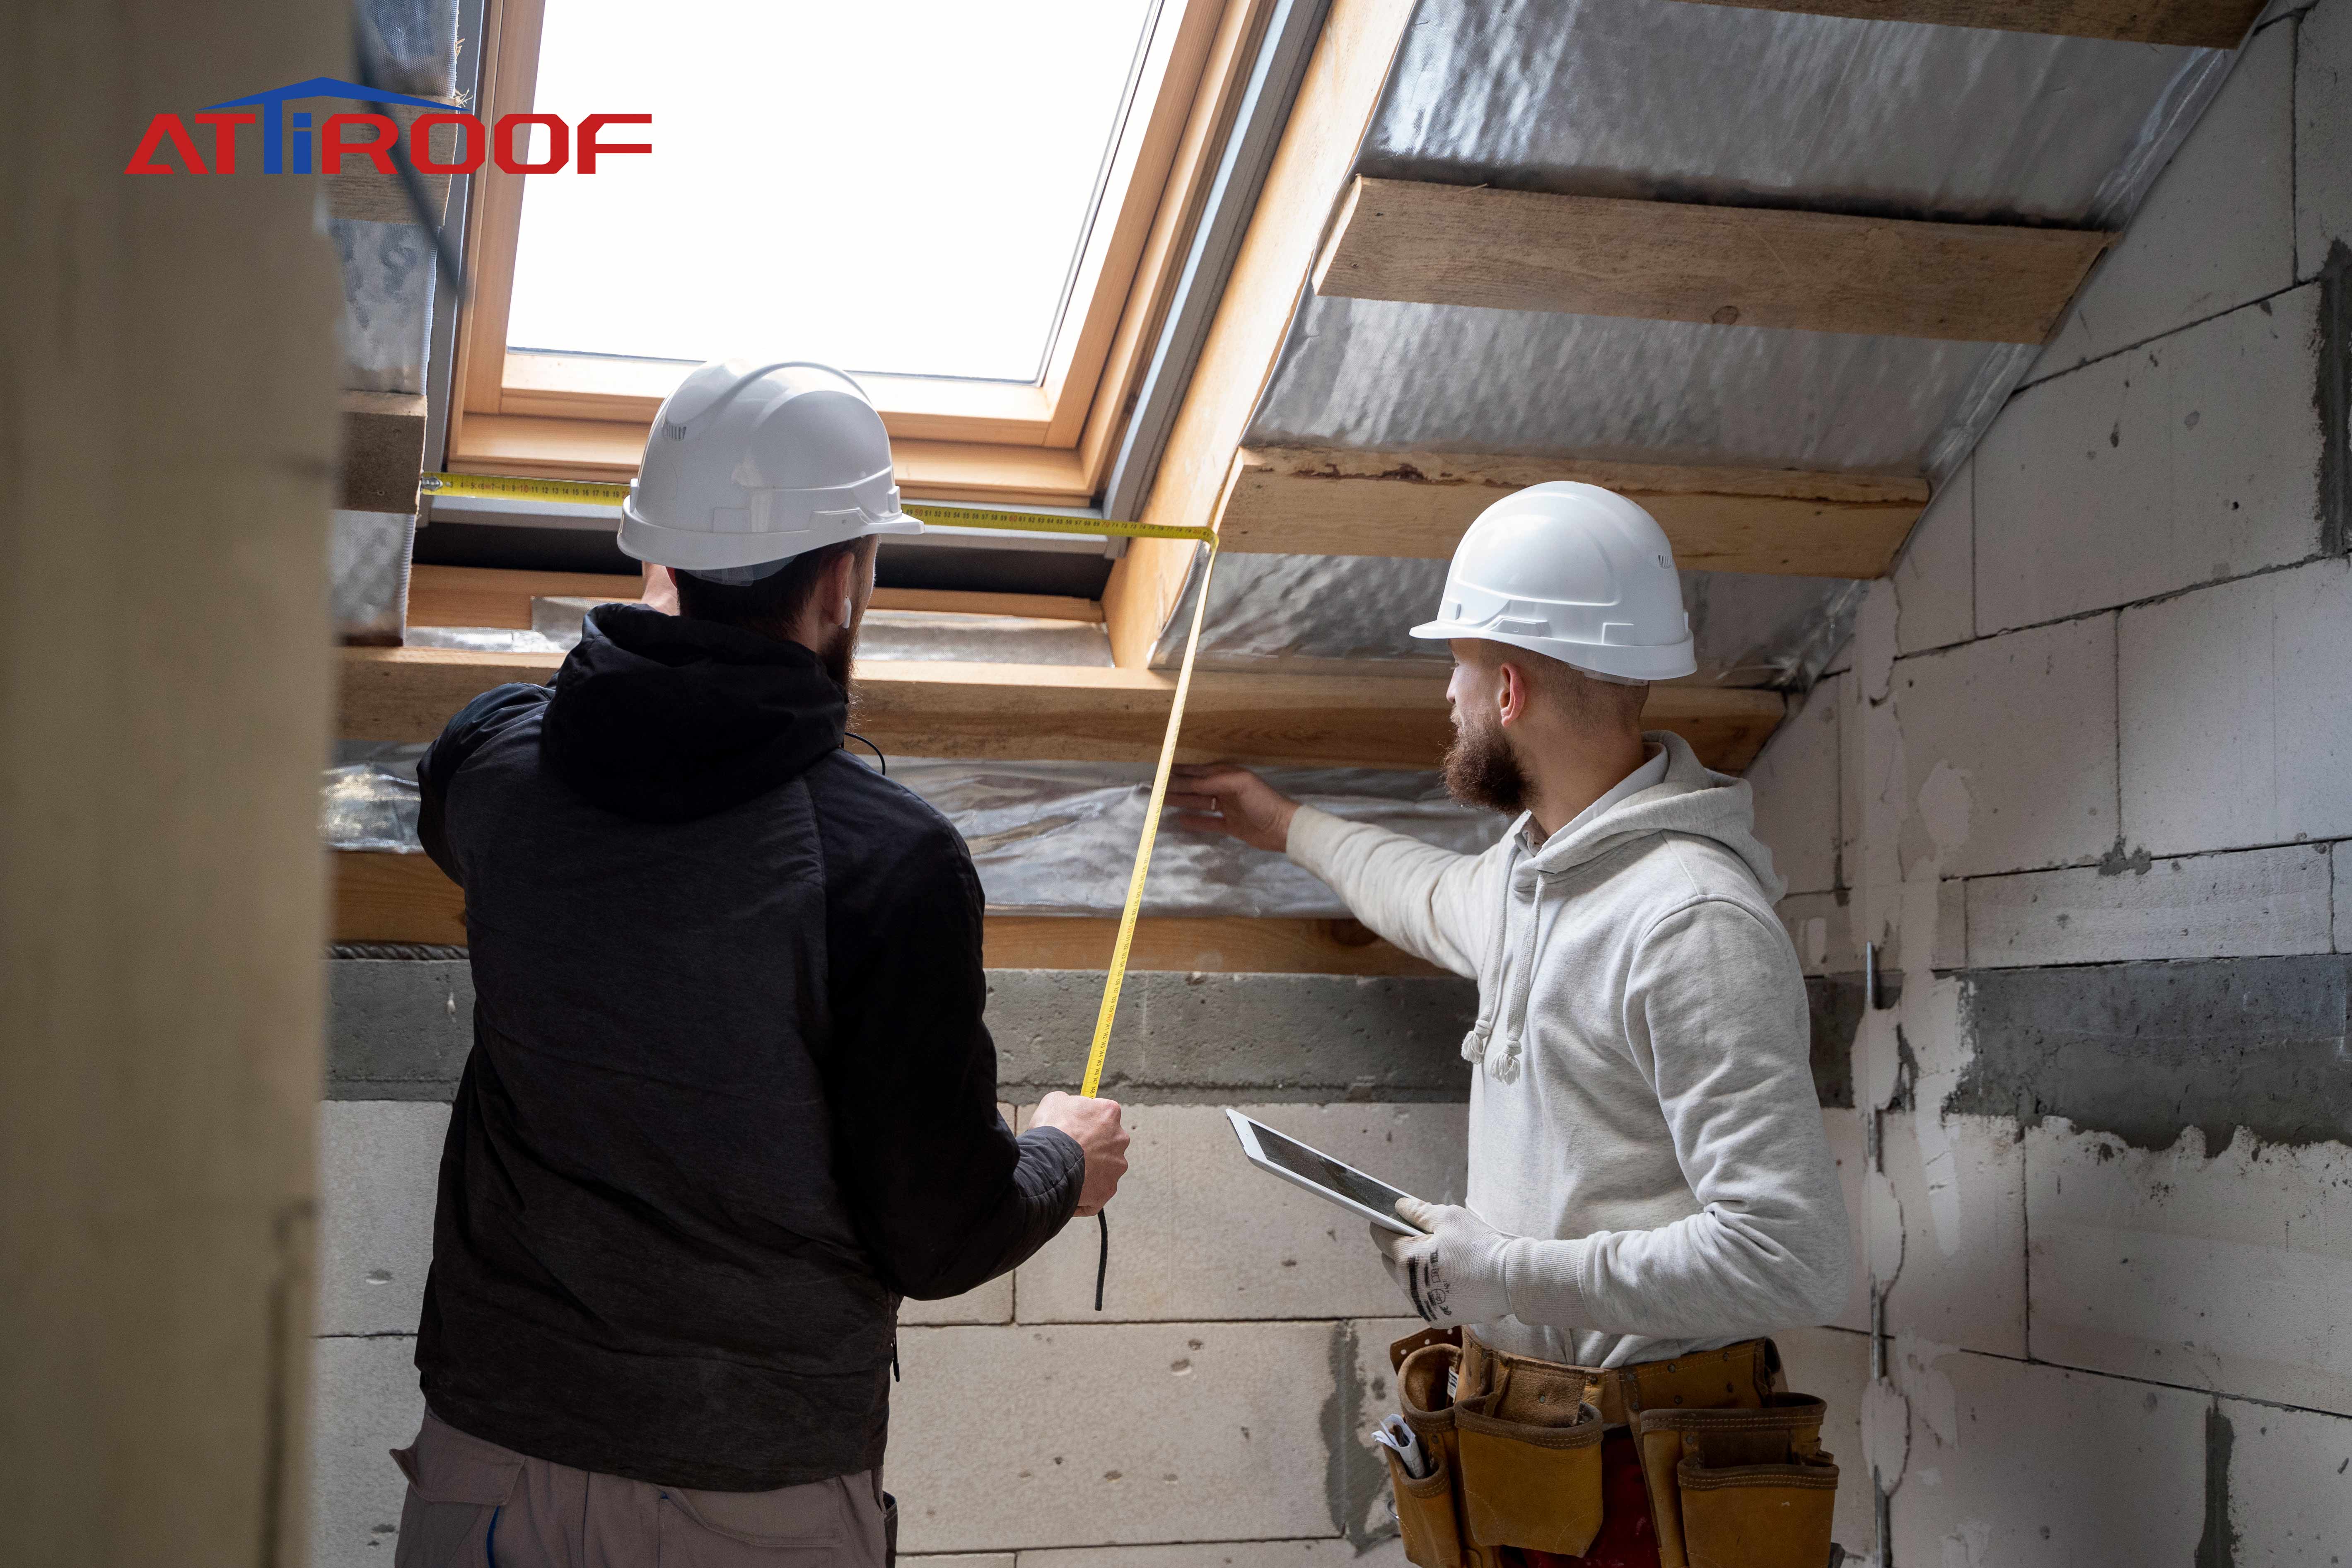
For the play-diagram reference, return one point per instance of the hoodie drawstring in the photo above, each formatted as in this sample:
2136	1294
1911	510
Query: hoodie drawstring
1514	1019
1473	1044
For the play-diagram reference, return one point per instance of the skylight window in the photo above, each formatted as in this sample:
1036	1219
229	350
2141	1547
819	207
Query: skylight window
901	187
981	211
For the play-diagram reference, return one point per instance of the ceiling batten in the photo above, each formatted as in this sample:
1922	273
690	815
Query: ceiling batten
1342	502
1425	244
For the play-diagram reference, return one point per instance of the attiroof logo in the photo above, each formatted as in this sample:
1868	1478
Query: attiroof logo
286	136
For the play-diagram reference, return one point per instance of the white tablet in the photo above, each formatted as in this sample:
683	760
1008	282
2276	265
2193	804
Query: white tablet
1334	1181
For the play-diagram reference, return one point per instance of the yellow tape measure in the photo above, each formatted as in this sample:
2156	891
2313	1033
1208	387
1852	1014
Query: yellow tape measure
583	493
944	514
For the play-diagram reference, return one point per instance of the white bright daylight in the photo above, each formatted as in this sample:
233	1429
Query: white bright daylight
894	185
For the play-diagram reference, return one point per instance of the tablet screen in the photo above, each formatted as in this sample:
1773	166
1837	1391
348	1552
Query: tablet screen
1325	1171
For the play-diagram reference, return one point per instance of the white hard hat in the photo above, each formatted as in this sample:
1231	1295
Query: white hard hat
1573	572
747	467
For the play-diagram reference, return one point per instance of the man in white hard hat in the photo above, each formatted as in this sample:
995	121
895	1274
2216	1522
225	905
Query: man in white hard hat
1648	1176
731	1096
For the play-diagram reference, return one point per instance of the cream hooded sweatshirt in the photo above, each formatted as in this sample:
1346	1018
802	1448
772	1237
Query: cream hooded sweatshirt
1642	1103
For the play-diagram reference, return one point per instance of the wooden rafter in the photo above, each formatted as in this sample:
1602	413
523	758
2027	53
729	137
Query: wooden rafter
2195	24
383	451
1334	501
1676	262
1017	712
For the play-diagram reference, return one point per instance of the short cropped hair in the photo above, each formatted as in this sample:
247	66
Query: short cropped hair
774	603
1578	696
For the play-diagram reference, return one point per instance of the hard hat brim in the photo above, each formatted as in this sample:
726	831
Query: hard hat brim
1666	661
691	550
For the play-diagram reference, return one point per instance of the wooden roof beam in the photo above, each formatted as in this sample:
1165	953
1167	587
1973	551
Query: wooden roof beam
1023	712
1316	501
1676	262
2195	24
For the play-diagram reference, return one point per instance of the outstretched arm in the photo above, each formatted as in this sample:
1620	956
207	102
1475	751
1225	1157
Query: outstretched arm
1431	902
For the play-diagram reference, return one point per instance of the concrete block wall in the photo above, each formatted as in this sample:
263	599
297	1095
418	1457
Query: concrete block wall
2084	783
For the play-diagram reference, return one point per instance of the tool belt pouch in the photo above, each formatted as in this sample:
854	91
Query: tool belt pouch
1530	1457
1739	1488
1425	1511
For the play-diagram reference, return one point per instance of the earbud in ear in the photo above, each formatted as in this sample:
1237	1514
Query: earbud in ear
845	614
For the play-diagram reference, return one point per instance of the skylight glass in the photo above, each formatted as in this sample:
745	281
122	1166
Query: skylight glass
896	187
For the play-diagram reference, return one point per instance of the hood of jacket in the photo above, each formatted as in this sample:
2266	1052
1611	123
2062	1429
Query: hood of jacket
666	719
1692	798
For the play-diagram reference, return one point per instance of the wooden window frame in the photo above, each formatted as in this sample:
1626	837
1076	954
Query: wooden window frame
1049	443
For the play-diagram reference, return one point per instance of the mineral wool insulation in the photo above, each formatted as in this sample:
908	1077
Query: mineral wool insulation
1664	101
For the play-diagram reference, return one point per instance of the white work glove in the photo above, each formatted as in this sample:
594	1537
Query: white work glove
1455	1273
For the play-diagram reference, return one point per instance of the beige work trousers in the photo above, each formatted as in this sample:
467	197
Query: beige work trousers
473	1504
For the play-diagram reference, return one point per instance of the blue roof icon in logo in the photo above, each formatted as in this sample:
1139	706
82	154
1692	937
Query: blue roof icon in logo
273	118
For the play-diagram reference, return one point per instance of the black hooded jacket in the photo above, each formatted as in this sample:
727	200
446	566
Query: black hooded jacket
731	1096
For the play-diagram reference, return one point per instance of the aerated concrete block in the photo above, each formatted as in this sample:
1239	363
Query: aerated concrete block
1822	933
397	1028
2021	1466
2206	906
2342	857
1795	782
1261	1036
2023	729
1835	1367
2227	1273
379	1163
364	1403
1846	1130
1333	1553
2192	459
1116	1433
1934	582
2235	728
2216	231
1199	1233
2290	1479
2322	133
1961	1181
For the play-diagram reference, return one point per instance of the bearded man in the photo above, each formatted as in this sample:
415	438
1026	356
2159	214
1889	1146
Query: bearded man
1649	1188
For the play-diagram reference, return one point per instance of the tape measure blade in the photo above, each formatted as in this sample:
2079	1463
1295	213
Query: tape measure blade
1115	981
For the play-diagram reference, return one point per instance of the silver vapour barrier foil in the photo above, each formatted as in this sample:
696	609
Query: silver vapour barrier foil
1664	101
1055	838
1296	612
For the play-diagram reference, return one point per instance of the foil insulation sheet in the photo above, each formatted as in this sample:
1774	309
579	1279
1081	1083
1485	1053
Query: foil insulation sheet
1274	612
1661	100
1054	838
1664	101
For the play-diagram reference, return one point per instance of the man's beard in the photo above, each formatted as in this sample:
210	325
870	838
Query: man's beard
1481	769
838	653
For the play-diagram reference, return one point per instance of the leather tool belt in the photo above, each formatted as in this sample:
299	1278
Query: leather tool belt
1731	1463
